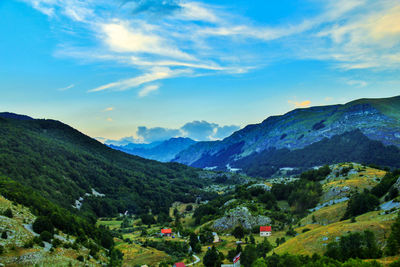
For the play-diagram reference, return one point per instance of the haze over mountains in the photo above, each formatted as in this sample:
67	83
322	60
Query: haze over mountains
163	151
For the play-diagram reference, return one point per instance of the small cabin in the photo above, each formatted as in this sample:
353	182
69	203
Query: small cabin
166	232
265	230
179	264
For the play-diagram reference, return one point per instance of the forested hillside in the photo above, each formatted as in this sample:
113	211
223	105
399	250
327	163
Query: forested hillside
71	169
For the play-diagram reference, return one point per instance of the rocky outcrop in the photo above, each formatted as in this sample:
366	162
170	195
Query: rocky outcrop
240	216
397	184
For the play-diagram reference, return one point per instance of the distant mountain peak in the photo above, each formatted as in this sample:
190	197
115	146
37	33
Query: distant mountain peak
9	115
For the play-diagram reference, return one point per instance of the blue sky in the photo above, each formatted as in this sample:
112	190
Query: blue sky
148	69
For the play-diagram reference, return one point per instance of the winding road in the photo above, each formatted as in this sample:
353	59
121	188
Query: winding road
196	261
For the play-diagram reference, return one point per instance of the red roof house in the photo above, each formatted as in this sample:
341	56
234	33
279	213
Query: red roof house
166	232
179	264
265	230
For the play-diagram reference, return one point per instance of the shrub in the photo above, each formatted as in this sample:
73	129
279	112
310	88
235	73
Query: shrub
46	236
4	235
41	224
8	213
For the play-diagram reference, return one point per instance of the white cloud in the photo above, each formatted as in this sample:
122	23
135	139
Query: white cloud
357	83
67	87
191	38
147	90
157	73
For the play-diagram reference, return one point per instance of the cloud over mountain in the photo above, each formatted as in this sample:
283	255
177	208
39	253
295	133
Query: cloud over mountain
196	130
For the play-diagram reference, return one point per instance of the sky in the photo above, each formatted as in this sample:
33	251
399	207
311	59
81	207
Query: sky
147	70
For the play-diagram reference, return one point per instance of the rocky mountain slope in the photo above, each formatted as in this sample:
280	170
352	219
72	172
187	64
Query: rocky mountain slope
162	151
377	119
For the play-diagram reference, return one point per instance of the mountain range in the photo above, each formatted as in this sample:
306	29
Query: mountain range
163	151
364	119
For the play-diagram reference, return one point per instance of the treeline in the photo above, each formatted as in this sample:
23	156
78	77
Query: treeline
351	146
62	165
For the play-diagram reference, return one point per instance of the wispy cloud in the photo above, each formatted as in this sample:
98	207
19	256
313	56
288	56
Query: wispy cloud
302	104
157	73
147	90
171	38
357	83
66	88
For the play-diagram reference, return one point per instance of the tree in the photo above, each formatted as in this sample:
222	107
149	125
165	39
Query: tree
41	224
194	243
238	232
46	236
263	248
360	204
8	213
189	208
248	256
252	240
212	258
260	262
4	235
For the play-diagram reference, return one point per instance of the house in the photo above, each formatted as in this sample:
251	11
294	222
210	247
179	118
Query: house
179	264
216	238
265	230
166	232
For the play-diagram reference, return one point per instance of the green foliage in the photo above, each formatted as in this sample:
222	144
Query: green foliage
50	215
62	165
354	245
212	258
8	213
316	175
361	203
248	256
206	236
194	243
46	236
351	146
238	232
393	243
43	223
126	222
147	219
387	181
4	235
174	248
1	249
116	257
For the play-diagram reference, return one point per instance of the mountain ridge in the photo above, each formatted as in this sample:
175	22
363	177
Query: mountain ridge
377	118
161	151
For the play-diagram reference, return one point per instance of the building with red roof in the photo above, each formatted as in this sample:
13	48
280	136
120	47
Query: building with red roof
179	264
166	232
265	230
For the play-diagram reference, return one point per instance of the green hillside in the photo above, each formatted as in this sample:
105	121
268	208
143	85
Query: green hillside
71	169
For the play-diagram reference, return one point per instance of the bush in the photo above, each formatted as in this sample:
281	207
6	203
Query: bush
4	235
29	244
1	249
80	258
360	204
46	236
8	213
41	224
